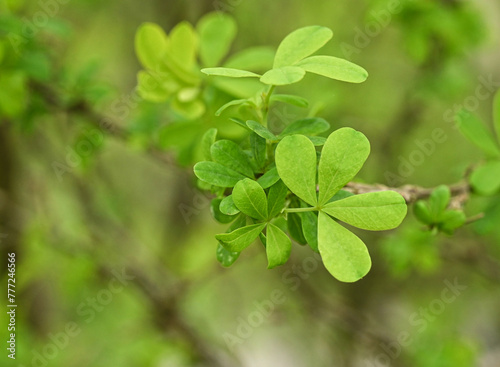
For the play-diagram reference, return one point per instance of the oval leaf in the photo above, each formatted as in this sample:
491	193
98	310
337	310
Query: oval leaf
344	255
283	76
276	199
225	257
150	45
334	68
250	198
230	155
206	143
241	238
278	246
217	31
343	155
309	126
261	130
216	174
296	164
227	206
486	179
269	178
301	43
375	211
217	213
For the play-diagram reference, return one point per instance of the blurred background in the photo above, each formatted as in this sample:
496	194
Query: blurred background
115	243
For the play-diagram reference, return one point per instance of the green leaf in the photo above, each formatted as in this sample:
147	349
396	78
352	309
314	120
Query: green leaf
486	179
261	130
473	129
278	246
438	201
290	99
217	214
241	238
258	146
296	164
422	212
250	198
229	72
276	199
295	228
150	45
206	142
334	68
343	155
310	229
227	206
451	220
13	93
269	178
301	43
283	76
230	155
375	211
183	46
239	122
496	114
217	32
309	126
155	87
216	174
254	58
235	102
317	140
341	194
344	255
225	257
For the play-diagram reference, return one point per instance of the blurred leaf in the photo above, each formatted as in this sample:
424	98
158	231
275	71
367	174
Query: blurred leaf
254	58
308	126
231	73
474	130
278	246
234	102
296	164
230	155
261	130
283	76
300	44
250	198
216	174
486	179
217	32
421	211
344	255
218	215
227	206
150	45
438	201
241	238
207	141
451	220
276	199
269	178
13	93
290	99
183	46
225	257
334	68
155	88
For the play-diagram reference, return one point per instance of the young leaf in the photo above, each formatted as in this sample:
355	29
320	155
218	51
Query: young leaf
183	45
276	199
278	246
227	206
310	229
451	220
150	45
375	211
283	76
343	155
217	32
255	58
230	155
218	215
474	130
438	201
241	238
258	146
250	198
216	174
334	68
344	255
235	102
206	142
225	257
296	164
309	126
422	212
290	99
301	43
486	179
239	122
231	73
269	178
261	130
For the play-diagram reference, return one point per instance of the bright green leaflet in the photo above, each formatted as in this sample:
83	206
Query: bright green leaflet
217	32
241	238
230	155
421	211
150	45
227	206
344	255
261	130
334	68
216	174
296	164
225	257
486	179
183	45
375	211
308	126
206	142
290	99
231	73
451	220
250	198
283	76
343	155
474	130
269	178
301	43
276	199
278	246
218	214
438	201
